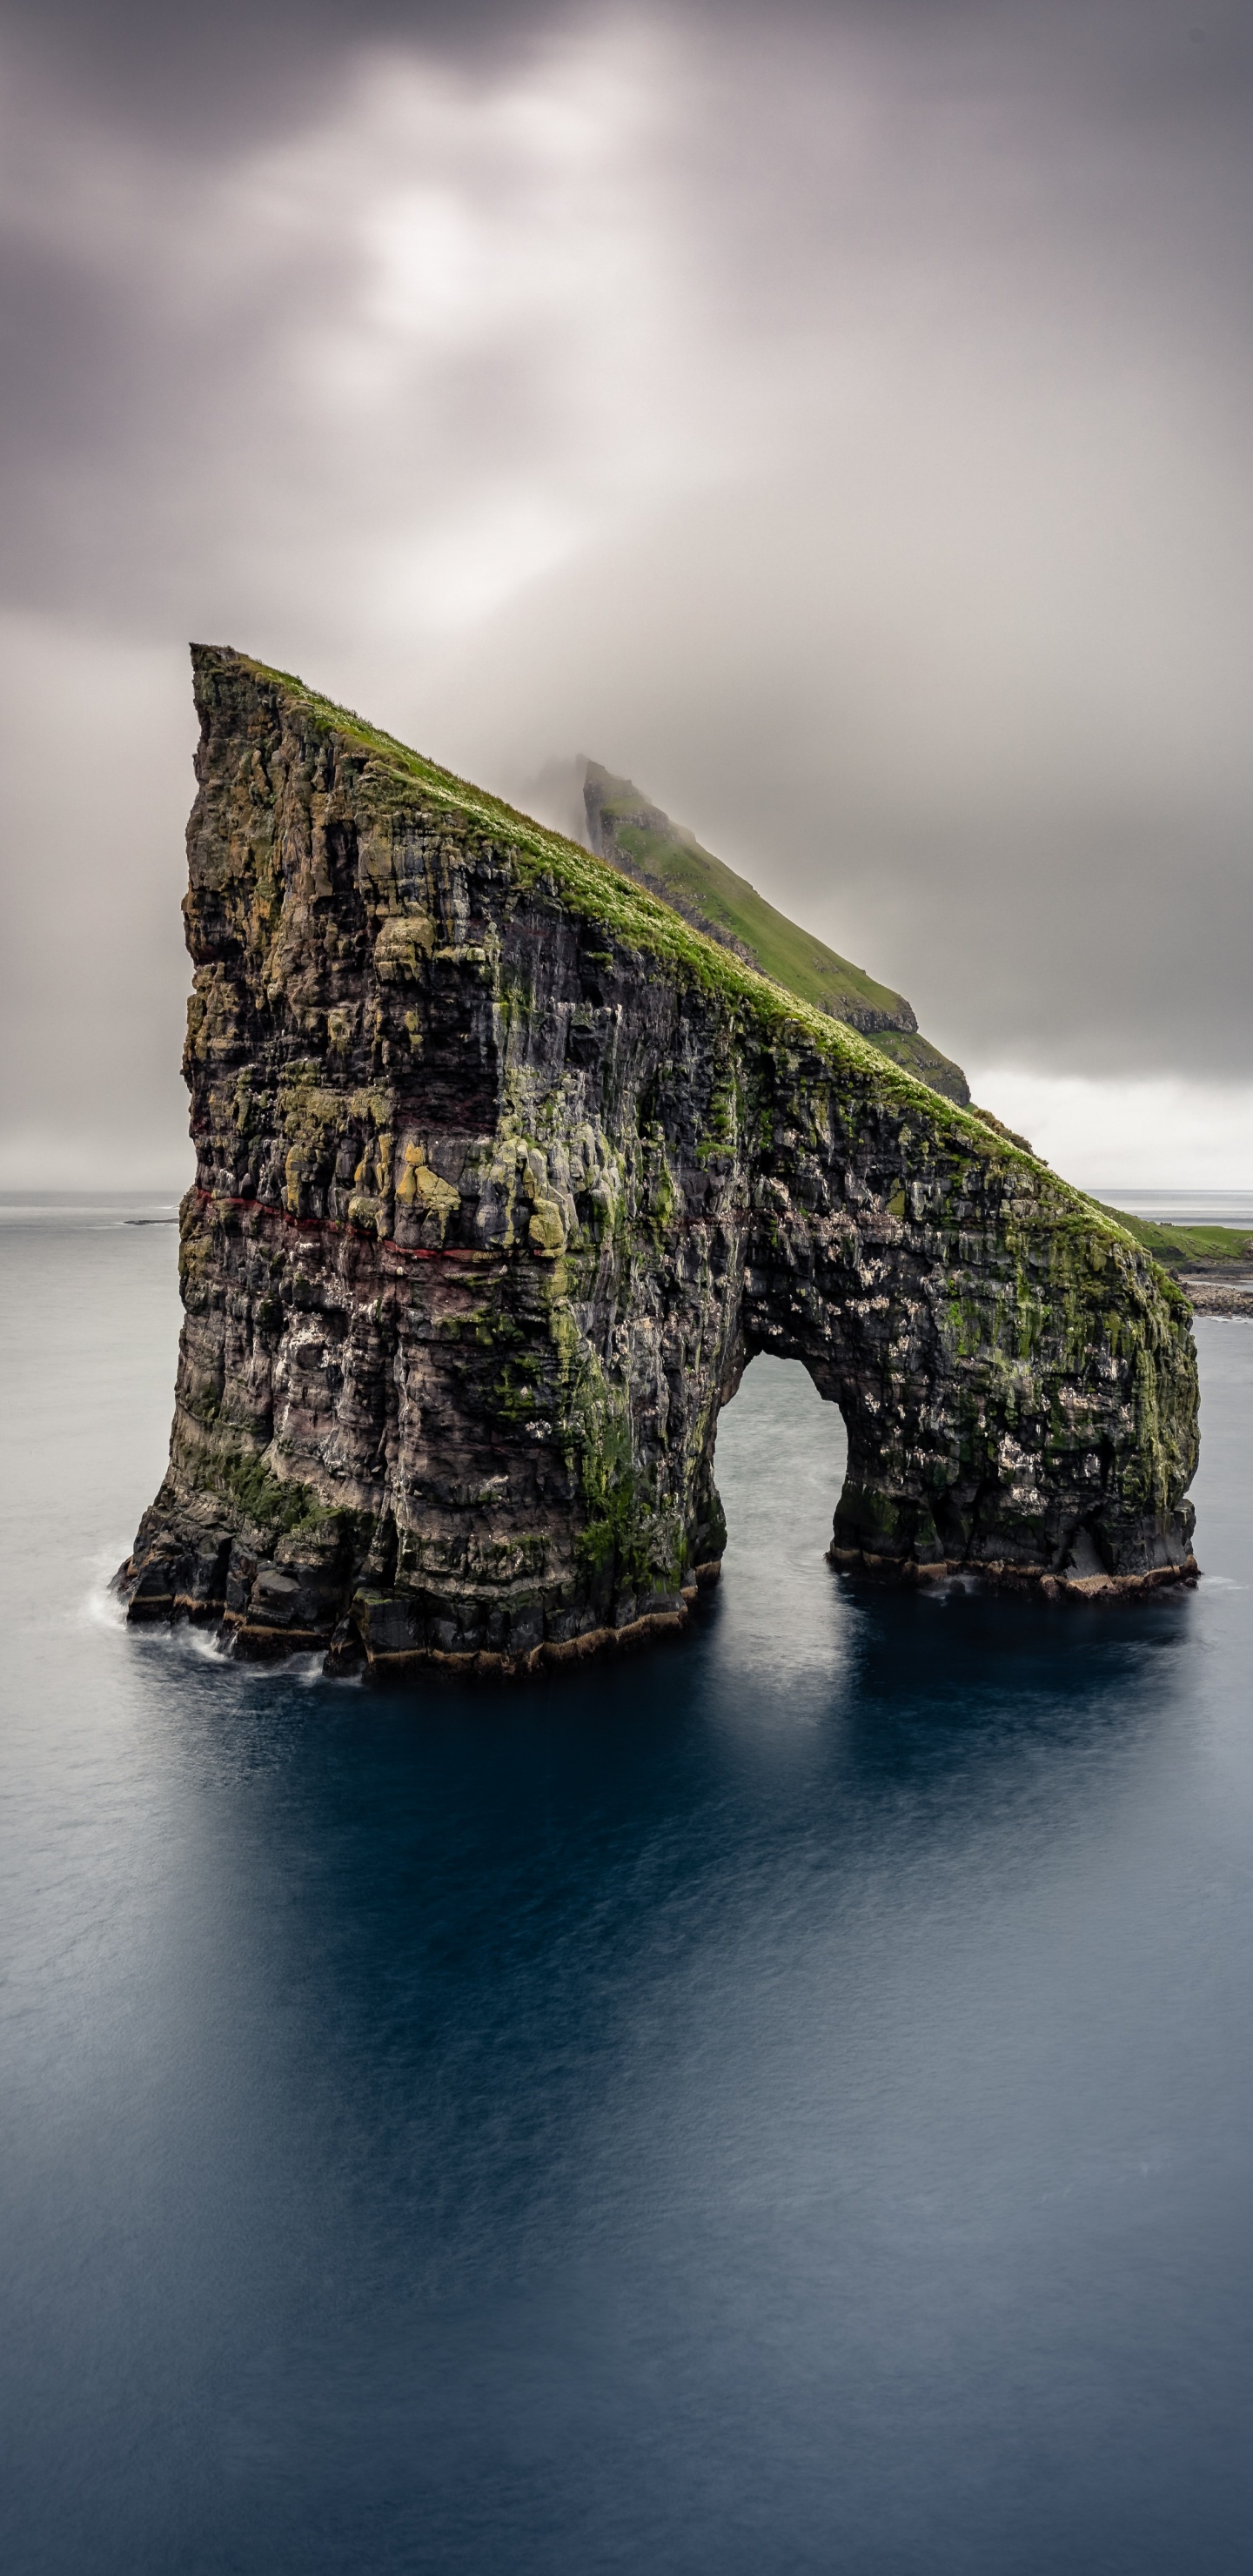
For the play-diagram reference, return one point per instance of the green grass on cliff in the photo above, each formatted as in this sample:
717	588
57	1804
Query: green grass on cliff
787	957
683	870
703	887
601	894
591	885
1182	1247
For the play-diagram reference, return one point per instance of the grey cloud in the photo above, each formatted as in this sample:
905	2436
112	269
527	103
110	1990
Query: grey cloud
207	76
834	418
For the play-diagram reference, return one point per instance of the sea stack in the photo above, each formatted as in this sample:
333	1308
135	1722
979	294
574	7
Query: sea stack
504	1173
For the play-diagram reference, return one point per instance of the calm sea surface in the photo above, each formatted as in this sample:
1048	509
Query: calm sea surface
785	2103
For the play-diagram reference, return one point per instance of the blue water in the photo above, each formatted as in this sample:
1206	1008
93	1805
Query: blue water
783	2103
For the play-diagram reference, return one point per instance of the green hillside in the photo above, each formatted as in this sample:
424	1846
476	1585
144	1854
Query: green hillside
1187	1247
641	840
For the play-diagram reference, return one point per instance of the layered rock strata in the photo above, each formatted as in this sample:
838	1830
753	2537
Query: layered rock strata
505	1172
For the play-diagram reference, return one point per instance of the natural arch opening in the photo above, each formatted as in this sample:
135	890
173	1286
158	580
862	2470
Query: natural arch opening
780	1456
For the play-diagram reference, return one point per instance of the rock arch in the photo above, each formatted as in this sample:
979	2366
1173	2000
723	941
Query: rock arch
503	1174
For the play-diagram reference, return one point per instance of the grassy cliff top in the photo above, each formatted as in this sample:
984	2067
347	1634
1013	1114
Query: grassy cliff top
592	885
674	858
625	827
1186	1247
603	895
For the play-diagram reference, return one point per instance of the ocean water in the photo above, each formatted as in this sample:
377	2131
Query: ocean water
1184	1207
784	2102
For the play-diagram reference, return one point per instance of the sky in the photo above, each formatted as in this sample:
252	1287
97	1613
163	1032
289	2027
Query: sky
836	417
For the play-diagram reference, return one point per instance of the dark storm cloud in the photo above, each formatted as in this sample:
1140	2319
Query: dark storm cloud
838	417
229	70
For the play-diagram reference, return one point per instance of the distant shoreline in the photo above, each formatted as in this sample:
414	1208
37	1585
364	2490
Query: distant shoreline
1220	1297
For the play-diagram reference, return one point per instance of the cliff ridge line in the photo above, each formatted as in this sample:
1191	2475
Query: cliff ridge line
638	837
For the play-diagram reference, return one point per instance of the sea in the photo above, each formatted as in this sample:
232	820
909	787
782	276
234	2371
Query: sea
1185	1207
780	2102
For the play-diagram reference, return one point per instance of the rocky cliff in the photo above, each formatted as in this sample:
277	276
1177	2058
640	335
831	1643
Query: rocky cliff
505	1171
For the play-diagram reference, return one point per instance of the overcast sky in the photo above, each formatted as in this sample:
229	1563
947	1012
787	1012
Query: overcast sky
837	418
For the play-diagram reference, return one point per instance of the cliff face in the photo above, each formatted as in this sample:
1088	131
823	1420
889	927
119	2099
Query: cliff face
638	838
504	1172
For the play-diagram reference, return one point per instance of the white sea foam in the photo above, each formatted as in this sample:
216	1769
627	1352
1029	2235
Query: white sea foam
202	1645
217	1646
100	1606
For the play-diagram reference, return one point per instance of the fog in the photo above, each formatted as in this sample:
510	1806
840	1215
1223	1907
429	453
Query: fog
837	420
